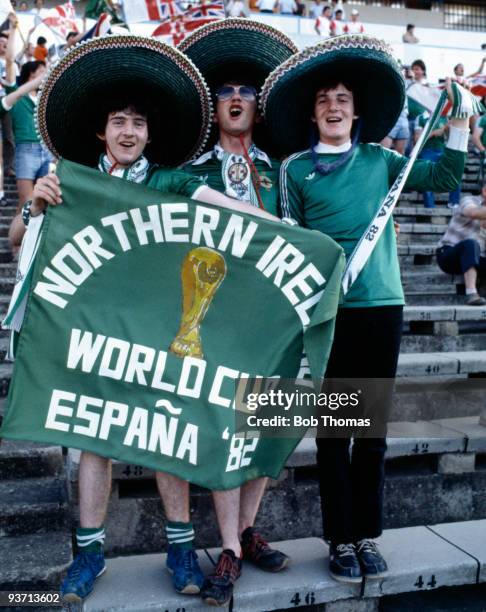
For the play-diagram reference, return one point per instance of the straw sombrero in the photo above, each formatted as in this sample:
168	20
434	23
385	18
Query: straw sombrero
288	94
75	88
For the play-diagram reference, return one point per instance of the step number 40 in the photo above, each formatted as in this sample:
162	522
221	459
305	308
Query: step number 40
309	599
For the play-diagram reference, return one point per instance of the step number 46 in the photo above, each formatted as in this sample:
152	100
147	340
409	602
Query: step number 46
309	599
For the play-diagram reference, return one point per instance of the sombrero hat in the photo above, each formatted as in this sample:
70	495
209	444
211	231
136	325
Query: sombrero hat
367	63
237	46
73	93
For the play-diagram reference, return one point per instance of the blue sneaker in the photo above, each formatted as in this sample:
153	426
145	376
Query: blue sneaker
187	577
81	574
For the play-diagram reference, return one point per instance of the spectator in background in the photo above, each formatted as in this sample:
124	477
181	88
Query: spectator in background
31	159
41	52
459	250
301	8
459	71
409	36
39	9
316	9
323	23
337	24
398	138
479	140
433	150
266	6
287	7
354	26
337	5
7	145
23	7
234	8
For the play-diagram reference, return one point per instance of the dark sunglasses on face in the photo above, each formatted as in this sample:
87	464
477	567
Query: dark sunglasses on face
228	91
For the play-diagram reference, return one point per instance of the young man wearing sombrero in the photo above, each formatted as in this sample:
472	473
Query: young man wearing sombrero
348	92
100	106
235	56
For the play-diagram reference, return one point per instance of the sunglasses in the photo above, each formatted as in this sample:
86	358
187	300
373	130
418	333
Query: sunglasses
228	91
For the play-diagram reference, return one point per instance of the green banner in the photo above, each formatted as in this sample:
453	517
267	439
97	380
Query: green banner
146	307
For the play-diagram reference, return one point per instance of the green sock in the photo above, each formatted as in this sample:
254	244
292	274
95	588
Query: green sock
180	534
90	539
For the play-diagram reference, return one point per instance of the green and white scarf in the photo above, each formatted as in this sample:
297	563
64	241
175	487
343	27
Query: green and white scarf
136	173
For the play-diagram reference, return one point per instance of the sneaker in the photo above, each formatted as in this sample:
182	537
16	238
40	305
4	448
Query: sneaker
81	575
372	563
475	300
258	551
187	577
343	563
218	587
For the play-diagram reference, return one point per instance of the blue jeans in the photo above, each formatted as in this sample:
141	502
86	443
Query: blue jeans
31	160
429	200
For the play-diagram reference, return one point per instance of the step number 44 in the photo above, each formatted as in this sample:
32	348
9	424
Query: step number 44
309	599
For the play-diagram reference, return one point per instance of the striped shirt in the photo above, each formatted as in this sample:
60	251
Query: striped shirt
460	226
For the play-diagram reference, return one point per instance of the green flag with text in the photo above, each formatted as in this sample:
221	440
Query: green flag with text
144	310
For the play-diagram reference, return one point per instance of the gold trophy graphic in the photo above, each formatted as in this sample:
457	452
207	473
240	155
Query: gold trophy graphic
203	270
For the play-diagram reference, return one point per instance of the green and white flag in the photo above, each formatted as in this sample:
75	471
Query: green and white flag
143	311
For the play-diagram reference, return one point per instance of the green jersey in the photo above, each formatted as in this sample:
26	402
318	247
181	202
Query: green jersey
230	174
434	143
482	124
23	122
343	203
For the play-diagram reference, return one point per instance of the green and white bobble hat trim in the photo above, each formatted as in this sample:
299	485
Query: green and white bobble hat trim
346	41
115	41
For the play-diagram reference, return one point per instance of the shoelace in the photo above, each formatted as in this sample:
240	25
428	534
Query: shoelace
367	546
77	567
258	545
345	549
224	567
189	559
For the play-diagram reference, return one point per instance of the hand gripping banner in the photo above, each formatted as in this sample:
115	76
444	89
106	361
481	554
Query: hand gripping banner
145	308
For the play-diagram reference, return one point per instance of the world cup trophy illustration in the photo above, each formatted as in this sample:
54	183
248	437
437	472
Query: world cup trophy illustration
203	270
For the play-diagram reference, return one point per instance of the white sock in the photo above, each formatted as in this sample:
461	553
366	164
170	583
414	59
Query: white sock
471	291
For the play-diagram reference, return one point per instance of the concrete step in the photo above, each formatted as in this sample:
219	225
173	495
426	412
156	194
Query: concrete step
437	299
421	228
35	561
5	253
429	215
427	290
412	343
5	375
29	460
32	505
456	362
419	558
444	313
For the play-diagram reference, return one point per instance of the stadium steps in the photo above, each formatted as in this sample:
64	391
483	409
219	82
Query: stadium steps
420	558
442	459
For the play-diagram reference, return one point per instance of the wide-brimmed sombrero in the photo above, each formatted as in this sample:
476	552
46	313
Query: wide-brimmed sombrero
238	49
237	46
72	98
366	63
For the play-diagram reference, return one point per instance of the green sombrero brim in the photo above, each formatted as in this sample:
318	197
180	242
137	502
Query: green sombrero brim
288	94
237	48
75	88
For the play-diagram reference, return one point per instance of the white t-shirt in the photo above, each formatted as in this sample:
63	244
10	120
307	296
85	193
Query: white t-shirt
323	23
354	27
337	27
236	8
266	5
287	7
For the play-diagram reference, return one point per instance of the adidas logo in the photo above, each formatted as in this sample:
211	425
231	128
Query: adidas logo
310	176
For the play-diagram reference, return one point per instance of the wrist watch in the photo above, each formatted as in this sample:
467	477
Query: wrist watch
26	212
